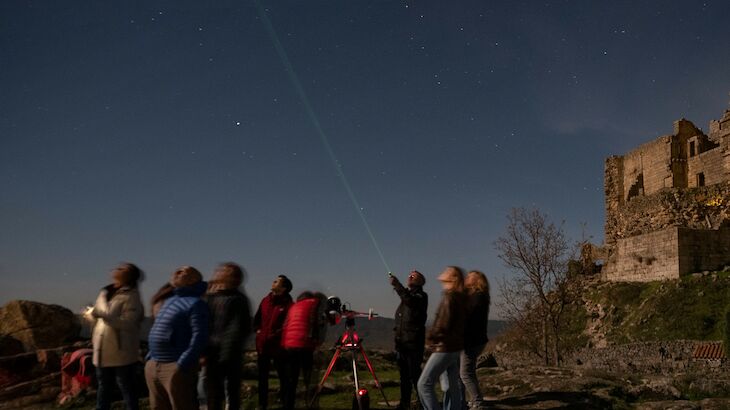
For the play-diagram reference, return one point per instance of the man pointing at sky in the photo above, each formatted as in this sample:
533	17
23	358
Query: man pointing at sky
410	332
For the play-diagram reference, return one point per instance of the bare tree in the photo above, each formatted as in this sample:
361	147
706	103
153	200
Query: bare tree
517	305
537	251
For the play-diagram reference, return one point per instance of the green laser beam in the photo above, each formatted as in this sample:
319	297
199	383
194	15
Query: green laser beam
294	79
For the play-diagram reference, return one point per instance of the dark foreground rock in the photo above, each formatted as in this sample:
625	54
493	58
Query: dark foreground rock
33	338
35	325
706	404
41	391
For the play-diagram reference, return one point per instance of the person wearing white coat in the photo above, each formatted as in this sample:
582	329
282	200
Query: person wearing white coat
118	314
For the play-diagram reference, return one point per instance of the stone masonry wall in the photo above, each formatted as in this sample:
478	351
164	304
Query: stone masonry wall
702	250
711	164
663	357
613	190
720	128
651	161
668	254
644	258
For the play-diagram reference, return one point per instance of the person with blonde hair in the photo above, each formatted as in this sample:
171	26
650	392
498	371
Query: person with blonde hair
446	340
177	340
475	334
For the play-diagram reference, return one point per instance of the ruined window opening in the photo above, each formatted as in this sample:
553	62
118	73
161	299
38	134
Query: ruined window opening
701	179
691	148
637	188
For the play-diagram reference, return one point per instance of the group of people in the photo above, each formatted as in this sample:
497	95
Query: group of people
197	339
196	325
456	338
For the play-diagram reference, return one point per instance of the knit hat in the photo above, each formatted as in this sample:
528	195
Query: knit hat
185	276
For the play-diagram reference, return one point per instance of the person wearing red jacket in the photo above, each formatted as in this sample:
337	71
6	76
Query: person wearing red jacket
268	323
303	332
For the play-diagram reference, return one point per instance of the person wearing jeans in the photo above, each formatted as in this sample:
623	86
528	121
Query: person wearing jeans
125	379
445	340
118	314
475	336
448	379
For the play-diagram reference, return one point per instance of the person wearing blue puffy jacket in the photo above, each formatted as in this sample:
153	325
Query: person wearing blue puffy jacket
177	339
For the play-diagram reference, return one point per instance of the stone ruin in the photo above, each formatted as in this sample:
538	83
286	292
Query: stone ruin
668	206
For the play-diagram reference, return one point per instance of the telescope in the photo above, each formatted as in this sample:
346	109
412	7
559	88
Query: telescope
336	310
351	342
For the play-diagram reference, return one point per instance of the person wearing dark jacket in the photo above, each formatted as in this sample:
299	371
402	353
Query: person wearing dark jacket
230	325
410	333
177	339
475	334
446	341
267	324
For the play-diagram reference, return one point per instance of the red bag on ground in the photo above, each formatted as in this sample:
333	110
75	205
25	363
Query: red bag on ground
77	374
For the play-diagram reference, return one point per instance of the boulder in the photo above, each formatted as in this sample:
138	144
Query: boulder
36	393
37	325
10	346
18	368
49	360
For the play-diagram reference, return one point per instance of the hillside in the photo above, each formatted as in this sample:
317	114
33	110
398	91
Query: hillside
689	308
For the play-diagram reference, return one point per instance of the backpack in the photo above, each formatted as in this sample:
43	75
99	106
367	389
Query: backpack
78	374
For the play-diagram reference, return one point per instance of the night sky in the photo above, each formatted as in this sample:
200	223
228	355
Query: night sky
168	133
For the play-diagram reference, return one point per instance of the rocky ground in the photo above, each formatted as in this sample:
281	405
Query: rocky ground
522	388
564	388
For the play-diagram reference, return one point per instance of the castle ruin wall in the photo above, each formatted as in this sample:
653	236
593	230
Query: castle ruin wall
668	205
643	258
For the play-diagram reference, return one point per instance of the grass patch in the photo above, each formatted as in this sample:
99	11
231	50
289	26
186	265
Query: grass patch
689	308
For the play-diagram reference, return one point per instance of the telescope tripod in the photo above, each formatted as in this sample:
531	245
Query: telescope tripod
350	342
